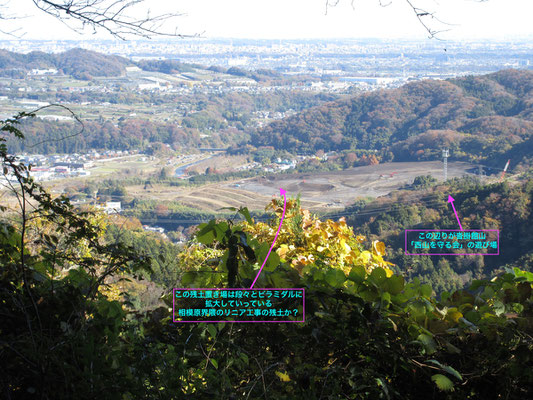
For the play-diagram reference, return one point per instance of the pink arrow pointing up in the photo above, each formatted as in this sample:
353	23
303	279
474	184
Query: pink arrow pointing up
282	192
451	200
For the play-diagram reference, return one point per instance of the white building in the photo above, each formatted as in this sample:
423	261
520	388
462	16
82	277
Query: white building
48	71
112	207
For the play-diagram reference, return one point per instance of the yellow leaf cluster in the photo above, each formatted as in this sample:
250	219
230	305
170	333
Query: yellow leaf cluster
112	291
284	377
306	240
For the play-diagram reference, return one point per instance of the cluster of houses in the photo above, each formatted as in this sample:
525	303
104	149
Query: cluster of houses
45	168
280	165
277	165
50	167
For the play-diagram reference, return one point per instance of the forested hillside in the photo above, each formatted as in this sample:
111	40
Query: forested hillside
71	137
487	117
79	63
480	206
86	64
213	121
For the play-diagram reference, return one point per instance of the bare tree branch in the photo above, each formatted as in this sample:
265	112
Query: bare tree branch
5	15
422	16
72	113
425	17
113	16
331	3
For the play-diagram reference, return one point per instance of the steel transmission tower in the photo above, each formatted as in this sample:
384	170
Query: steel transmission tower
445	155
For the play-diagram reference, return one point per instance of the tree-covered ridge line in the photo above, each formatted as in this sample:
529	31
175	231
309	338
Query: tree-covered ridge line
103	135
209	121
83	64
478	117
79	63
87	64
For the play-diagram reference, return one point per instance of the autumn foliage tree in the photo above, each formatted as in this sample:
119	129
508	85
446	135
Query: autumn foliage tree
373	334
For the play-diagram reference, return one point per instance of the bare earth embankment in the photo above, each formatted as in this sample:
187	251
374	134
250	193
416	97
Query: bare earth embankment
340	188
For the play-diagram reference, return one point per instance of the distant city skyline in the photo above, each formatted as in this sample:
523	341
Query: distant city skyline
307	19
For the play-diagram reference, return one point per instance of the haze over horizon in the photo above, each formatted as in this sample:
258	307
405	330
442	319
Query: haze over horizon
307	19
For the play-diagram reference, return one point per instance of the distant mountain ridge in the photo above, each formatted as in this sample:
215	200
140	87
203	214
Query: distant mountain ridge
478	117
86	64
79	63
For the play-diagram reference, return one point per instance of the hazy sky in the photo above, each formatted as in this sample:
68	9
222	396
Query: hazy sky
499	19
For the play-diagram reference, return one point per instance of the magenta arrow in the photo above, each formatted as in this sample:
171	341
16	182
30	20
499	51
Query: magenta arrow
282	192
451	200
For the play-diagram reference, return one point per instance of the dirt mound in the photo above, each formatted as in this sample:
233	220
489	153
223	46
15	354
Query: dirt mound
310	187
